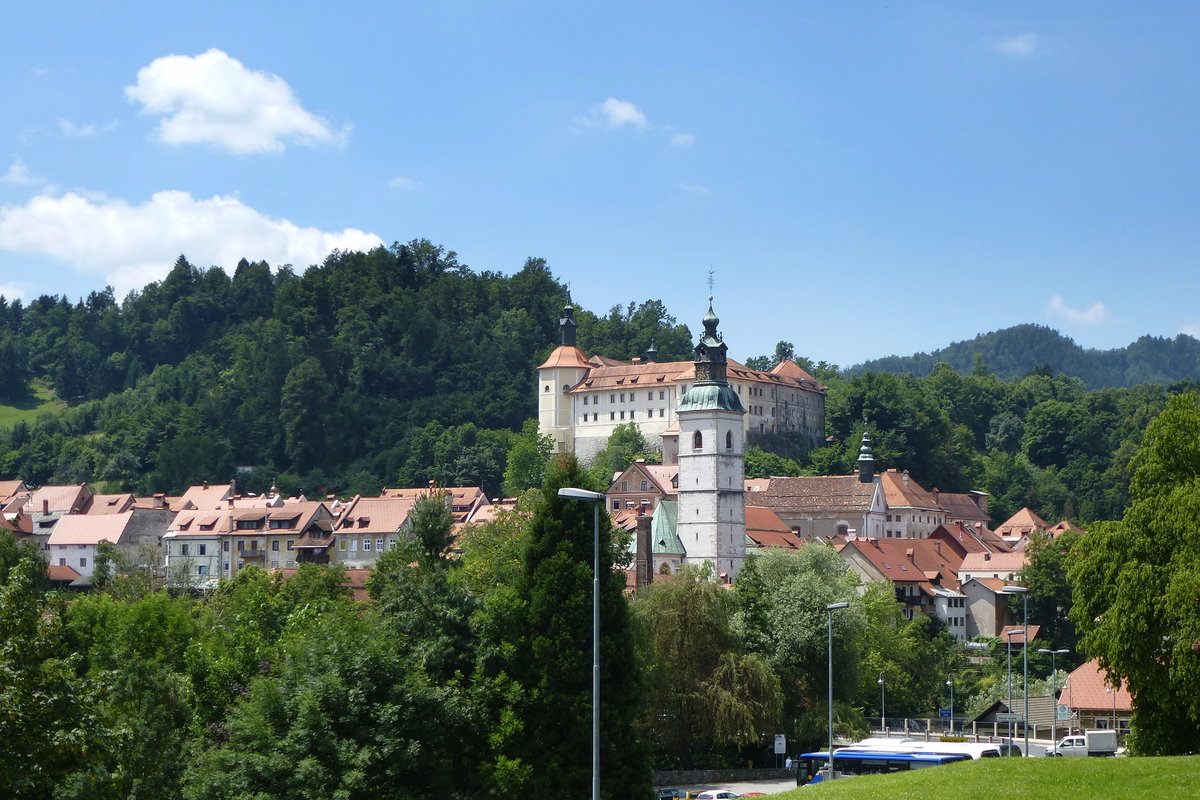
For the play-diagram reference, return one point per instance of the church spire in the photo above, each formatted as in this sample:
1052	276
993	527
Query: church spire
711	389
567	324
866	460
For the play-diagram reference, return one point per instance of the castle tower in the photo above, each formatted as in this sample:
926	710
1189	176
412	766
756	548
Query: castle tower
712	504
565	367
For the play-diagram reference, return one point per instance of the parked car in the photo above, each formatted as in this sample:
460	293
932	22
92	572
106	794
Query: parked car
670	793
715	794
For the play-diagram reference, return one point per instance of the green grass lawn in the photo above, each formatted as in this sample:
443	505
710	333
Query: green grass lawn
1007	778
27	410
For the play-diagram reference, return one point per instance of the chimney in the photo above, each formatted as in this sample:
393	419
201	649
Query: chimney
204	485
909	554
905	478
45	506
159	501
937	546
637	360
936	493
643	572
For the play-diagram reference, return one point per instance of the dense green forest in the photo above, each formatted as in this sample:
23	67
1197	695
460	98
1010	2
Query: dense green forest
402	365
1016	351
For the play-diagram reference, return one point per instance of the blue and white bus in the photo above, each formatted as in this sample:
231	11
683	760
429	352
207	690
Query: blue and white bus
812	767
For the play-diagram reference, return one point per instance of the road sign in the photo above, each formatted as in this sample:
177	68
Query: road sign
780	744
1004	717
944	713
1064	713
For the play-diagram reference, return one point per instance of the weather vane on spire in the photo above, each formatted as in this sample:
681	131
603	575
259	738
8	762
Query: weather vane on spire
710	282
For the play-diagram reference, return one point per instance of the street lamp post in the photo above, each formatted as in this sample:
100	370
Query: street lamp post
950	683
598	499
1024	592
1053	677
829	609
882	711
1008	635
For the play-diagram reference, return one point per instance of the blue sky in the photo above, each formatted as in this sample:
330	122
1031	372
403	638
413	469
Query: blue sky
862	179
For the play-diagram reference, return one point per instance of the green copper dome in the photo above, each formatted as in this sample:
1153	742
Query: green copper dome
709	396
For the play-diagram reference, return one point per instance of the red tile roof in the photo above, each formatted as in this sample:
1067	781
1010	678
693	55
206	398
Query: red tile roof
1020	634
89	529
823	494
910	560
902	491
58	499
993	562
61	574
1022	523
1086	688
109	503
563	356
961	507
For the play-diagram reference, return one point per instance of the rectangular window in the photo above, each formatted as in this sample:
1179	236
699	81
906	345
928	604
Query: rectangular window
202	569
616	505
379	545
241	546
392	543
595	417
274	565
612	398
62	562
291	564
585	399
203	549
227	566
622	415
275	545
83	562
661	413
612	415
622	397
342	545
225	547
354	545
632	413
662	395
290	542
366	545
183	549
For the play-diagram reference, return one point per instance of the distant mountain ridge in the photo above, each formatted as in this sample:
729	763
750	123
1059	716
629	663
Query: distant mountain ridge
1016	351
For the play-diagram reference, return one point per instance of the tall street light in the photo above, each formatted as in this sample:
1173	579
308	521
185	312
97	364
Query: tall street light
1008	635
829	609
1053	676
1024	592
950	683
882	711
598	499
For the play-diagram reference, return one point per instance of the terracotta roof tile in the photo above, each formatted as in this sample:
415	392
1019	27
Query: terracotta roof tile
993	562
821	494
1086	688
910	560
564	356
960	506
89	529
1022	523
902	491
59	499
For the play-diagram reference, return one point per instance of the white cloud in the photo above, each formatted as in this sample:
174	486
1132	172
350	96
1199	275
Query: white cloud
1019	45
213	98
1098	312
75	130
614	113
133	245
11	293
19	173
405	184
683	139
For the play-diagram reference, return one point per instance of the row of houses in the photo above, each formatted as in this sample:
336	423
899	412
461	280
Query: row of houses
211	532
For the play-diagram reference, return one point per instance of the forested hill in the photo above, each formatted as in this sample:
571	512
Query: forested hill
391	367
1017	351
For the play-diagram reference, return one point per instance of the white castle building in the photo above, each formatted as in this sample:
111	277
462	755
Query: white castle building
582	399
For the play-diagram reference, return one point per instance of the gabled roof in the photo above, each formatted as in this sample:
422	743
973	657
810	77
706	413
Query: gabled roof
374	515
969	538
89	529
1058	529
909	560
61	574
10	488
994	584
1022	523
1086	688
901	491
59	499
643	375
993	562
832	494
1020	634
766	529
205	496
961	506
790	369
660	476
110	504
